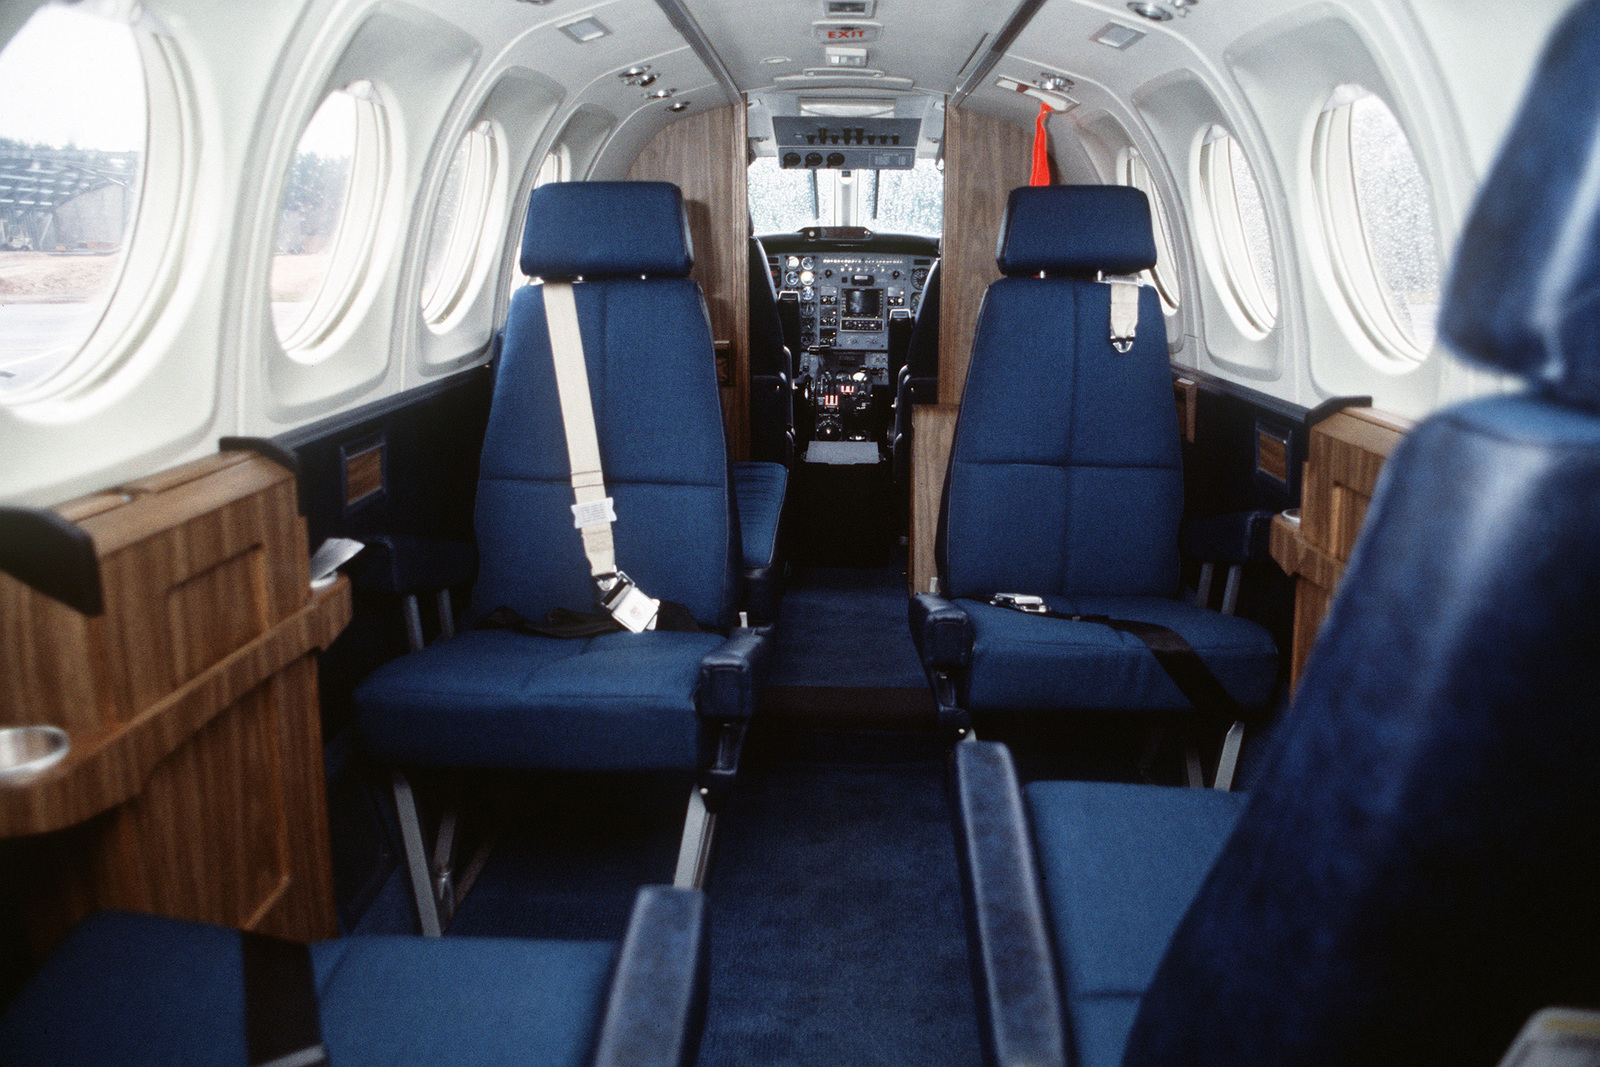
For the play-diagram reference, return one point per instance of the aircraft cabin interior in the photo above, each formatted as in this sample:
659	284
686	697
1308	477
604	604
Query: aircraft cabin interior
851	532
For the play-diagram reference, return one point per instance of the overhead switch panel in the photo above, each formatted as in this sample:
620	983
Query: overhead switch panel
856	144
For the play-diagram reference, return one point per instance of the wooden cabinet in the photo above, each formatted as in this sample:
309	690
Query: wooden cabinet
194	783
1345	455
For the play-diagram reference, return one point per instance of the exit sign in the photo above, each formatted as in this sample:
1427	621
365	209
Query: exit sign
846	32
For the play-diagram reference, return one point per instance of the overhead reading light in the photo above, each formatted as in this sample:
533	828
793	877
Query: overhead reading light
635	75
1118	36
1150	10
681	105
1054	83
660	94
540	2
585	30
1056	99
1162	12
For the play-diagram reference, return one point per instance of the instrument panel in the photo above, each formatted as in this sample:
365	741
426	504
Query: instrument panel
848	301
851	297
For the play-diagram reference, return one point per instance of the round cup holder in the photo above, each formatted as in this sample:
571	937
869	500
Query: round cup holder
26	751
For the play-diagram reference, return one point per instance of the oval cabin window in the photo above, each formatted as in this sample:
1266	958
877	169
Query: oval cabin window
1132	170
328	218
1380	224
1239	225
460	219
73	130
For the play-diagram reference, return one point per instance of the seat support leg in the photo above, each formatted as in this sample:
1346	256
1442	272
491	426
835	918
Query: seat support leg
1193	771
413	617
1229	761
405	803
694	852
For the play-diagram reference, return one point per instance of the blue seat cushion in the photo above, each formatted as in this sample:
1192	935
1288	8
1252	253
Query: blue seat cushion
138	989
497	698
758	489
1119	865
1030	662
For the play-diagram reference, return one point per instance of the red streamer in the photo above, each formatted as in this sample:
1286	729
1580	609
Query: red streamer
1041	149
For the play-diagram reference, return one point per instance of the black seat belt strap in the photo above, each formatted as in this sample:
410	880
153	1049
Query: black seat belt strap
1176	656
281	1022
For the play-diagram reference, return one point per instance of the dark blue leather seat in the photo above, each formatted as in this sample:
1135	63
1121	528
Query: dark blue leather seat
127	989
1413	874
619	701
1066	482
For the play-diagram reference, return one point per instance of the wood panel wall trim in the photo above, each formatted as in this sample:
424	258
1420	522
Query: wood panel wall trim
984	159
933	430
1344	458
194	786
109	765
704	155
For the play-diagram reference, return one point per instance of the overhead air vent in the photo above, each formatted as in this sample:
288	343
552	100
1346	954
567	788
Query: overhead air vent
864	143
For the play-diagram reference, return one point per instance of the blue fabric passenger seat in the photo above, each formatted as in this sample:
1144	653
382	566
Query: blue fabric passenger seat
126	989
1066	482
1413	874
658	700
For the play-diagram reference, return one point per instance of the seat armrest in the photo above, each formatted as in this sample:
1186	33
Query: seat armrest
1238	537
402	564
942	632
730	674
1014	968
656	1005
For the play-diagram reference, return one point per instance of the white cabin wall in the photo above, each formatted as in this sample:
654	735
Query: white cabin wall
165	396
1263	71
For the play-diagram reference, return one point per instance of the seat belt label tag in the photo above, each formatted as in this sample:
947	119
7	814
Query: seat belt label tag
593	512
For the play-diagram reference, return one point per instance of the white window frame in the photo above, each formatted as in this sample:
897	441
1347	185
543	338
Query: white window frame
371	164
1134	172
1243	282
463	267
1339	208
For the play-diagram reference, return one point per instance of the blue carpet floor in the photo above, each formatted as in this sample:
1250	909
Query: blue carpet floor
843	626
836	926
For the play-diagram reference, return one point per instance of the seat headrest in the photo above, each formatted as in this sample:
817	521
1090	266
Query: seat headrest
1076	229
606	230
1524	294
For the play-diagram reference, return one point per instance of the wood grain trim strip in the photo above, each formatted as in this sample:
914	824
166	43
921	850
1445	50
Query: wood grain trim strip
107	767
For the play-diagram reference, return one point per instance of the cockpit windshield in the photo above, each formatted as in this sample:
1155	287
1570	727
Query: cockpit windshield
886	201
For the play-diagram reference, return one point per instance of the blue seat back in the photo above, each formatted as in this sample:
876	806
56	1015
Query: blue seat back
1065	475
1416	871
652	379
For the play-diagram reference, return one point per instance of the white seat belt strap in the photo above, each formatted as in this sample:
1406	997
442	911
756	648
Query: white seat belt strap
592	511
1124	310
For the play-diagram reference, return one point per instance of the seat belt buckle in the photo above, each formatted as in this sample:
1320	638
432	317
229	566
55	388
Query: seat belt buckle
627	603
1033	605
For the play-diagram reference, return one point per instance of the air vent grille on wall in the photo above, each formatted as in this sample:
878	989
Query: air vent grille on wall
849	9
865	143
